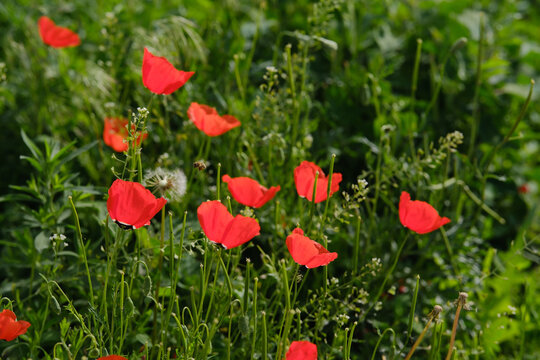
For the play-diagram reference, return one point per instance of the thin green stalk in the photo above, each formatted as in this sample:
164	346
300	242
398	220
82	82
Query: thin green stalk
450	252
477	82
388	274
414	82
122	334
328	192
238	77
218	181
356	244
349	342
254	312
514	126
160	268
82	250
413	308
264	336
380	339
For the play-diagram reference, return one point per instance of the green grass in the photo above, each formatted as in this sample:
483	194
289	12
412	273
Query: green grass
430	97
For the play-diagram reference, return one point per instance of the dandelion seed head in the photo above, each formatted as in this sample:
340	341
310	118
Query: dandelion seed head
171	184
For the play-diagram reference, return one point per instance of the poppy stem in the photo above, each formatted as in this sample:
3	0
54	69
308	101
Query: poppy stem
328	191
82	249
218	181
388	274
160	267
379	341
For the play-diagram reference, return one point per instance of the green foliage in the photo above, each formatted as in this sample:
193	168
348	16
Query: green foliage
430	97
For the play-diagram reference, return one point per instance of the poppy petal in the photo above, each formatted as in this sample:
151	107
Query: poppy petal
302	350
239	231
305	251
221	227
214	218
115	133
248	191
10	328
419	216
112	357
207	120
56	36
304	179
131	204
160	76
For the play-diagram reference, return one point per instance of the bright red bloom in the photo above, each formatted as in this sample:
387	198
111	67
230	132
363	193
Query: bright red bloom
523	189
160	76
307	252
131	205
115	132
56	36
302	350
248	191
10	328
112	357
304	178
419	216
222	228
207	120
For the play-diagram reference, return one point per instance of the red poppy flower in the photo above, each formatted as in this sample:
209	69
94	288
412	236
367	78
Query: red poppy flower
222	228
115	132
112	357
207	120
10	328
307	252
56	36
523	189
131	205
160	76
419	216
304	178
248	191
302	350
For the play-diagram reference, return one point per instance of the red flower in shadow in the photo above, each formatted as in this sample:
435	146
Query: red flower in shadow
208	120
248	191
10	328
56	36
302	350
115	132
160	76
305	251
112	357
419	216
131	205
304	178
222	228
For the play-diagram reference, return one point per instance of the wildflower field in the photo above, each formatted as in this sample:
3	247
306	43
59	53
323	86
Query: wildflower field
299	180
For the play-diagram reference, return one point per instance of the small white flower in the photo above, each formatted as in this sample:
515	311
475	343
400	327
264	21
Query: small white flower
169	184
